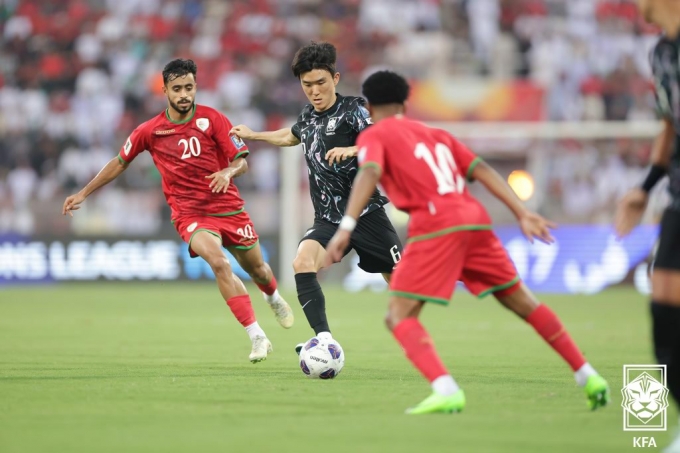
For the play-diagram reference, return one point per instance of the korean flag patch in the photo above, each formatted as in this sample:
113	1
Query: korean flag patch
238	143
365	114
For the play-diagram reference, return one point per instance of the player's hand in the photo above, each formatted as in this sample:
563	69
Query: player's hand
335	249
534	226
242	131
338	155
629	211
220	180
72	203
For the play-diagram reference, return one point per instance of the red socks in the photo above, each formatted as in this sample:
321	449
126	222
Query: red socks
419	348
269	288
242	309
549	326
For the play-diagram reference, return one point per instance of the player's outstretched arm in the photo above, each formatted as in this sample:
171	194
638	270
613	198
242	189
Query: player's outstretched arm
532	224
107	174
282	137
362	188
632	206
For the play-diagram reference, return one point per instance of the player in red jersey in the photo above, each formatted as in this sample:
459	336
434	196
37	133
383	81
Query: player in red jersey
423	172
197	159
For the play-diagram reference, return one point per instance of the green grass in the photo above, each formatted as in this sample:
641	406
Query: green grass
143	368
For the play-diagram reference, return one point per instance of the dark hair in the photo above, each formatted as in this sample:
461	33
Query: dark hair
385	87
317	55
178	68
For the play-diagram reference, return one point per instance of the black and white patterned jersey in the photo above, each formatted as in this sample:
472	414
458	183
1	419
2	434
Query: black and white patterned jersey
320	132
665	60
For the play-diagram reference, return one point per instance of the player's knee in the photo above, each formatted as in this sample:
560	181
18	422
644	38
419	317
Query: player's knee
219	265
260	273
303	263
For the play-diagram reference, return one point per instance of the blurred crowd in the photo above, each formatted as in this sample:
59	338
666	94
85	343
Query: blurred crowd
76	76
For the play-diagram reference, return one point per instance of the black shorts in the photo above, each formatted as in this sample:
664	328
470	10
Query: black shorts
668	252
374	239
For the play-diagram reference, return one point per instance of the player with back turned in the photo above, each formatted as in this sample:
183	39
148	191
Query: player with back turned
665	160
423	171
327	128
197	159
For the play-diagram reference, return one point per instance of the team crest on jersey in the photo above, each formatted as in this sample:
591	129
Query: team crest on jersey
332	124
203	123
238	143
128	146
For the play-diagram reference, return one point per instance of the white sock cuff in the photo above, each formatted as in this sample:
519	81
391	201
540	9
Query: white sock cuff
271	298
445	385
582	374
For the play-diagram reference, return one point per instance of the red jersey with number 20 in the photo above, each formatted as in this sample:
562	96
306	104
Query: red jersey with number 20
185	153
423	172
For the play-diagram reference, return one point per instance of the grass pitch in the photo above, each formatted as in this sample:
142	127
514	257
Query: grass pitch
164	367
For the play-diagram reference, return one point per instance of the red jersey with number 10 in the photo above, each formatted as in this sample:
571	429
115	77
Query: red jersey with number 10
423	172
185	153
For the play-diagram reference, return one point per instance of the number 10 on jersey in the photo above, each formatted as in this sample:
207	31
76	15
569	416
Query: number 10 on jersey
444	169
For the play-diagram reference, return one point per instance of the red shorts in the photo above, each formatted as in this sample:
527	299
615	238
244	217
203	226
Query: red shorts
234	231
430	268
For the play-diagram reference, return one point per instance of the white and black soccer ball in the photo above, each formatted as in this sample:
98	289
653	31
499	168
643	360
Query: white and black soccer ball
322	359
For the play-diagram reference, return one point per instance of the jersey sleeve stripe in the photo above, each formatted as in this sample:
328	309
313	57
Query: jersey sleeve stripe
471	168
371	164
123	161
241	154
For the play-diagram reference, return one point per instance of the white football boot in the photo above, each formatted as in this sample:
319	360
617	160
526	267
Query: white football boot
261	347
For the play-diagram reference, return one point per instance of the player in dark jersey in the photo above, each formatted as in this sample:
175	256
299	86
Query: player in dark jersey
327	129
665	160
423	170
197	159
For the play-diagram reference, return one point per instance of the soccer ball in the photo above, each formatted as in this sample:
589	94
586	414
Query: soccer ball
321	359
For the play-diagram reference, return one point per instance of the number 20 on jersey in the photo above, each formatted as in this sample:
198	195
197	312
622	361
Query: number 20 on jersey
190	148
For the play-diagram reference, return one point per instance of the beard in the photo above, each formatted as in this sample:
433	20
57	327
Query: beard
182	109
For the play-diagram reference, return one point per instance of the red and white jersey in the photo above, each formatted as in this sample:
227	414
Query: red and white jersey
423	172
185	153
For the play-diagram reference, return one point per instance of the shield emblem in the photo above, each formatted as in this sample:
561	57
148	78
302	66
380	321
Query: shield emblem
203	123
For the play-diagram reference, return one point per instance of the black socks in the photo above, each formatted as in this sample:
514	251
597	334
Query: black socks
312	300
